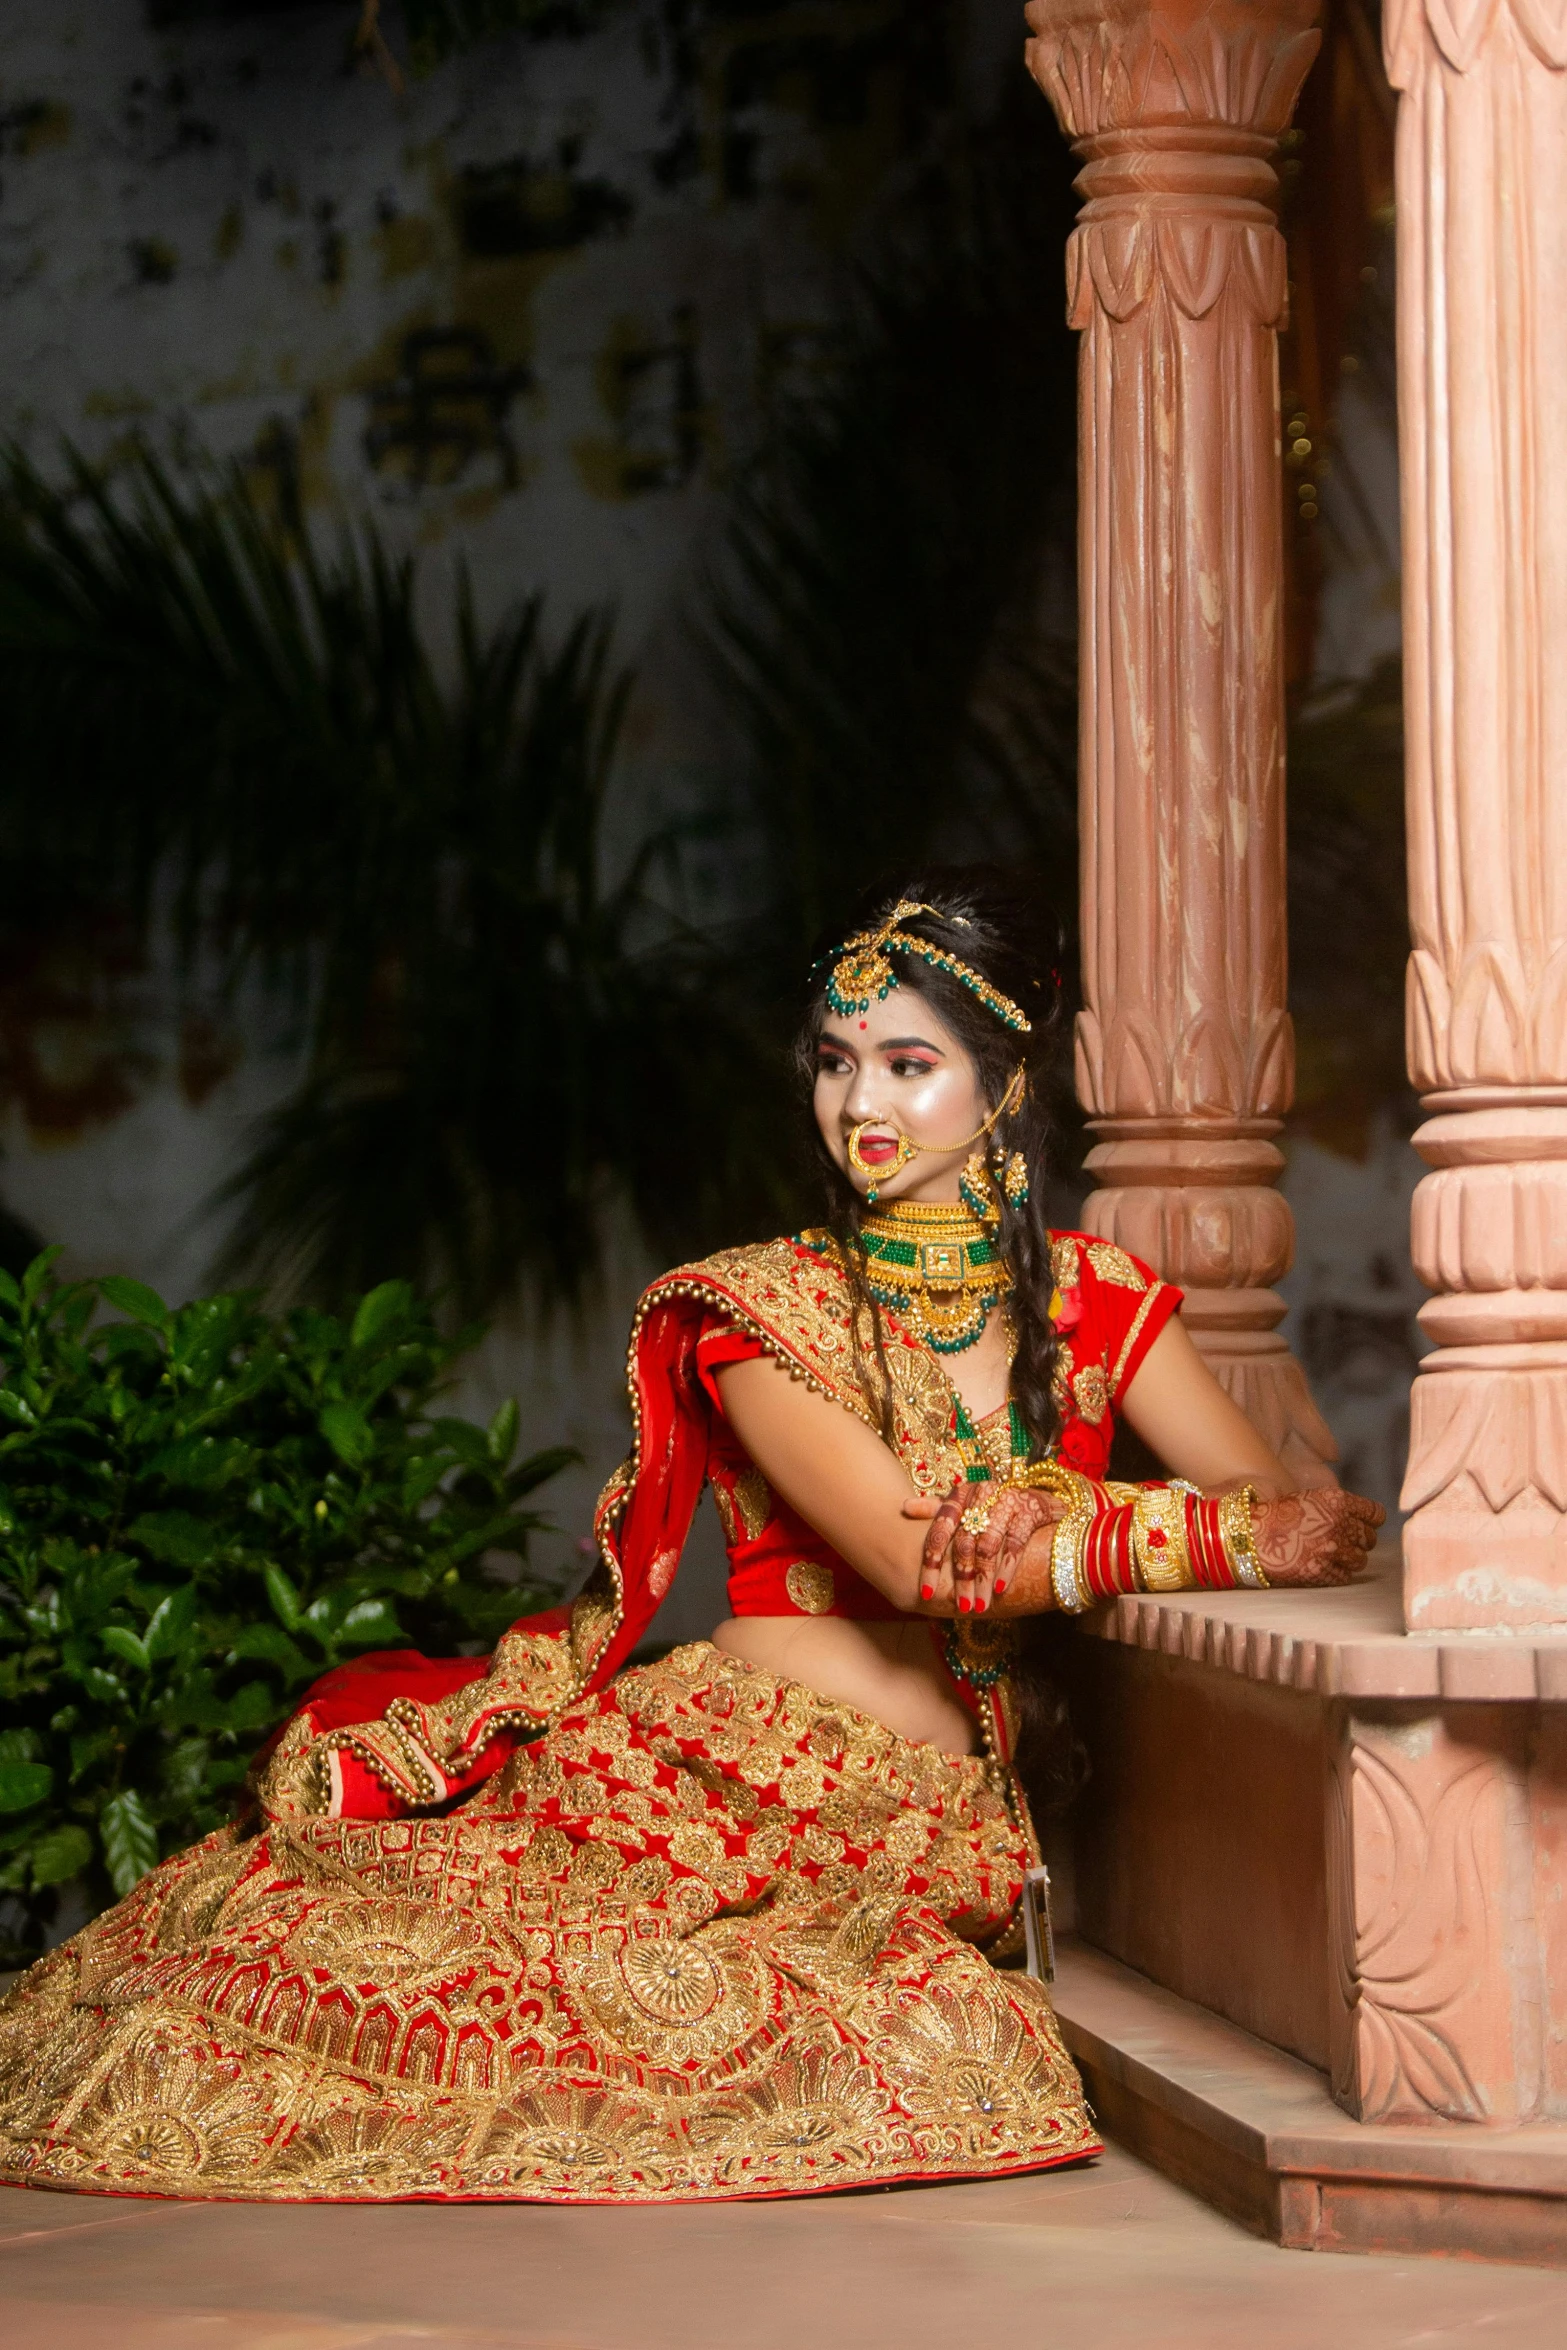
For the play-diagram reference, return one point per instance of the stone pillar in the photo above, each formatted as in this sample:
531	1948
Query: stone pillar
1482	330
1176	277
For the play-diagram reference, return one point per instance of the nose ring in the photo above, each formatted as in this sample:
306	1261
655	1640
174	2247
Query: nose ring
906	1150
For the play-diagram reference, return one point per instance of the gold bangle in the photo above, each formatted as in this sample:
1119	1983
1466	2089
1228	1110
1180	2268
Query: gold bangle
1083	1498
1240	1543
1066	1561
1160	1557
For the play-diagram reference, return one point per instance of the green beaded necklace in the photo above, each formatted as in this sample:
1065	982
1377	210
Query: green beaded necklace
916	1254
971	1445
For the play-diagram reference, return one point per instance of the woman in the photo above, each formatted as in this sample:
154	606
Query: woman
557	1926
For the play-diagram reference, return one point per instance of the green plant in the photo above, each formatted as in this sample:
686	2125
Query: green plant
201	1510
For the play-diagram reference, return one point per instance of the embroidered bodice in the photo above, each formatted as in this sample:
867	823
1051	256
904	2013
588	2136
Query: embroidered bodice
1108	1308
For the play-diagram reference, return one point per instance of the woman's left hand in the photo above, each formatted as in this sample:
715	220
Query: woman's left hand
966	1567
1320	1537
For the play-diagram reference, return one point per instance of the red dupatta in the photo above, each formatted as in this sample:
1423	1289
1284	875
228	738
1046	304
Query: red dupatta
396	1731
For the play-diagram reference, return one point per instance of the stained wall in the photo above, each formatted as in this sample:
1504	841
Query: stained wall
531	312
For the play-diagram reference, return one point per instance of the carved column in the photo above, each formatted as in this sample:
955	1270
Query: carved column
1176	277
1482	327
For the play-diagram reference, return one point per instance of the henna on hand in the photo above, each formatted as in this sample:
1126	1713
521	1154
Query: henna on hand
1017	1515
1320	1537
980	1564
943	1526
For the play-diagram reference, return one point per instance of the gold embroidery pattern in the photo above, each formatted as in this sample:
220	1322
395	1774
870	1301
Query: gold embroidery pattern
995	1440
710	1935
812	1586
1065	1263
1062	1376
793	1301
1133	1334
753	1500
1114	1265
1092	1391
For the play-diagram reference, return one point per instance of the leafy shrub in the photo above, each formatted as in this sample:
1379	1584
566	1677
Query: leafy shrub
201	1510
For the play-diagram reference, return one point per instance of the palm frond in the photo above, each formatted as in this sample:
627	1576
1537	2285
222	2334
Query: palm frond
499	1039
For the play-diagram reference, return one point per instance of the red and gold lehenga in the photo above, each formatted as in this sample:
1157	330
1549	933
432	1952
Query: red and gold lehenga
552	1926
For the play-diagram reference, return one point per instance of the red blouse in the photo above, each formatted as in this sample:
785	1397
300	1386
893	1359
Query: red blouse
1109	1308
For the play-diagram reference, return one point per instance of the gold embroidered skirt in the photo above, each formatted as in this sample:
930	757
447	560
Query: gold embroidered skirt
712	1936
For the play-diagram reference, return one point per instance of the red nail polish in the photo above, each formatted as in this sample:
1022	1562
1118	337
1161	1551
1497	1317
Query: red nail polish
927	1591
980	1606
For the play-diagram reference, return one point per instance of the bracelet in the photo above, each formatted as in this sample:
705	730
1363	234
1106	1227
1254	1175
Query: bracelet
1066	1559
1161	1556
1239	1539
1211	1568
1118	1538
1083	1500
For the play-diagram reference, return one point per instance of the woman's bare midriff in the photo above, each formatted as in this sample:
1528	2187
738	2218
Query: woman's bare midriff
886	1670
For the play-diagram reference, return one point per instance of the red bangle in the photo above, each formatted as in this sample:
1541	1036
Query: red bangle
1107	1554
1205	1546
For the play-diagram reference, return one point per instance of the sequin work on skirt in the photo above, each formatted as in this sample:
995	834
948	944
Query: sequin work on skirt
711	1936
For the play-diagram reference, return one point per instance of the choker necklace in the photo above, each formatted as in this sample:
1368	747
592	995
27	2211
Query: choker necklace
937	1268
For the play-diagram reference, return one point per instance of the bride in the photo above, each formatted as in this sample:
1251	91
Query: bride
736	1922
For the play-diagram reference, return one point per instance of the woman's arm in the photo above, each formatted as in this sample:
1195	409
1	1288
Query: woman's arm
835	1471
1180	1411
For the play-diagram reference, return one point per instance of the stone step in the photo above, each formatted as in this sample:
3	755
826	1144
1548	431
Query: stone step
1257	2134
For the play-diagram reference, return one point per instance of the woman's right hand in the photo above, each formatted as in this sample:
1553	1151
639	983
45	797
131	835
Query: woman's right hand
966	1571
1320	1537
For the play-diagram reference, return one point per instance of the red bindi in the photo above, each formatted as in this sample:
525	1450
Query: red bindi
865	1024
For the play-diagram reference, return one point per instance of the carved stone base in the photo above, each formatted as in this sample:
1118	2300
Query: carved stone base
1486	1546
1225	1242
1395	1807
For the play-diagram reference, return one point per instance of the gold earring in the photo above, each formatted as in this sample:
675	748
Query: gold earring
977	1191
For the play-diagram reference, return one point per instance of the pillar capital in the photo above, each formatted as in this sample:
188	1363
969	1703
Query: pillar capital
1110	66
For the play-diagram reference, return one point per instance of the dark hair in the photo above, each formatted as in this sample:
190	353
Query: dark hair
1005	932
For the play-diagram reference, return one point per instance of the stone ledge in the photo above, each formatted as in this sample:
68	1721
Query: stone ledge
1257	2134
1348	1643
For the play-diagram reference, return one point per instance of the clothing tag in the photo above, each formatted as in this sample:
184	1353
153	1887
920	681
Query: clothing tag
1038	1938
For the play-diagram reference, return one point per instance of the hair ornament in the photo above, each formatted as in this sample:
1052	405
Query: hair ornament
862	972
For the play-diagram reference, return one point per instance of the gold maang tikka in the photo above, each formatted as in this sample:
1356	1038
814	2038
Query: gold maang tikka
863	974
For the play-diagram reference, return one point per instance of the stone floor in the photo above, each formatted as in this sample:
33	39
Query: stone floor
1099	2258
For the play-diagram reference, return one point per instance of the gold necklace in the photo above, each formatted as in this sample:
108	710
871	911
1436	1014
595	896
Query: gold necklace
937	1268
